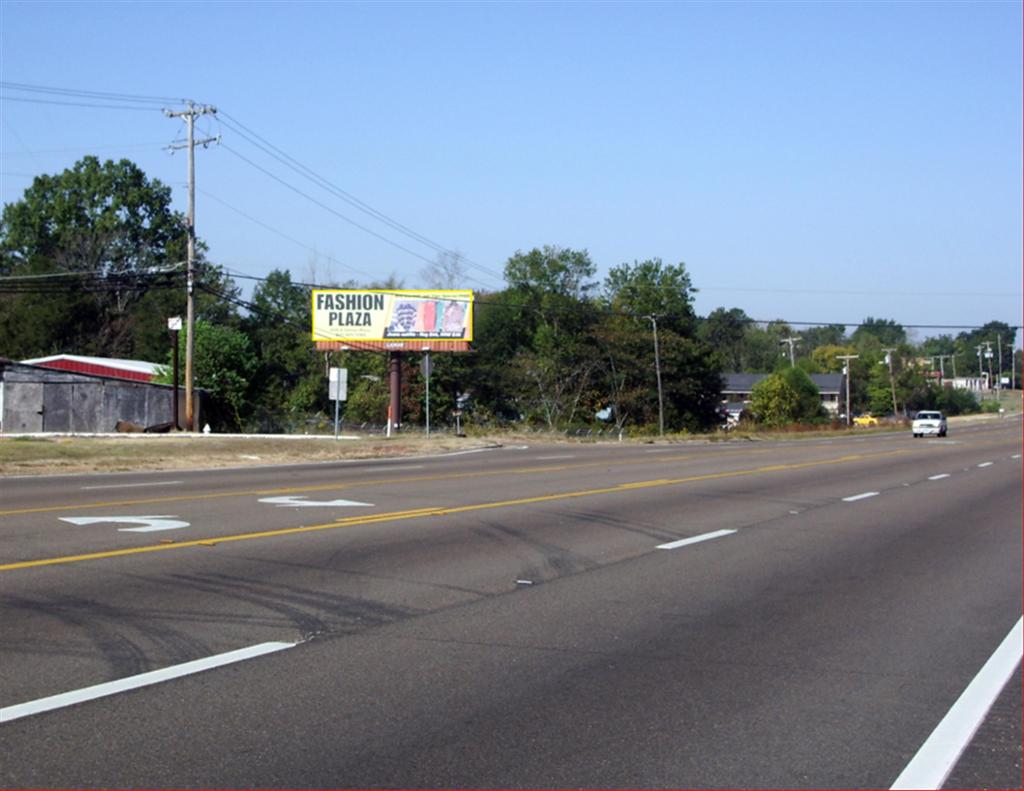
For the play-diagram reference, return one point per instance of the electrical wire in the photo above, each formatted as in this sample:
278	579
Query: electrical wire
284	158
105	95
74	104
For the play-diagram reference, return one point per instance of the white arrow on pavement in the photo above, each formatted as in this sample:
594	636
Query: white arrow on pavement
298	501
149	523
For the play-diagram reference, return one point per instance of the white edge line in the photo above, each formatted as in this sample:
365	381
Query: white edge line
938	477
856	497
940	752
10	713
696	539
985	464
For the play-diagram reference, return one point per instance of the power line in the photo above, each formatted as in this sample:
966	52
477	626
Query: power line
284	158
106	95
75	104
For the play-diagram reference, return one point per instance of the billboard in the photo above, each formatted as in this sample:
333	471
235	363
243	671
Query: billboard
345	315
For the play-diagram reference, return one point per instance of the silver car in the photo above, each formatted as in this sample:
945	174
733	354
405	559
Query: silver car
929	422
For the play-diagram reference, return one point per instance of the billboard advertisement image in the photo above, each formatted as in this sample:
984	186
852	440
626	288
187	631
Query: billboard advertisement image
346	315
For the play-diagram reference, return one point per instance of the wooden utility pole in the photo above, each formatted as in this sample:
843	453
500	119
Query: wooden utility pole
657	371
190	115
792	342
846	371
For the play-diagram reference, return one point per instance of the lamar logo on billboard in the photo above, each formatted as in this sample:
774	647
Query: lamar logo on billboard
389	315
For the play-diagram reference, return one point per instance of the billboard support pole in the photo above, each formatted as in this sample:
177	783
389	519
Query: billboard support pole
395	380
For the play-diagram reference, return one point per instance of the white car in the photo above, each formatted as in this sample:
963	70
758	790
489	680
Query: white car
929	422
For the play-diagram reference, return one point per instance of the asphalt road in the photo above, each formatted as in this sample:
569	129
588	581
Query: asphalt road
741	615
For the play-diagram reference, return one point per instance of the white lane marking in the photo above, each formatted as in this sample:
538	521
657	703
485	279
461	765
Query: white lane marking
1015	456
940	752
938	477
552	458
985	464
660	450
297	501
10	713
150	524
856	497
129	485
696	539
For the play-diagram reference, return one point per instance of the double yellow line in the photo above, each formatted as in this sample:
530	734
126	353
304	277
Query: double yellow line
422	513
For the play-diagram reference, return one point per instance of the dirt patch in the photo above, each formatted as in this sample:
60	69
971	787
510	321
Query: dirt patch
51	455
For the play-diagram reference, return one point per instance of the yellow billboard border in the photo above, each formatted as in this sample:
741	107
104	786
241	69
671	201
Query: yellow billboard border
464	295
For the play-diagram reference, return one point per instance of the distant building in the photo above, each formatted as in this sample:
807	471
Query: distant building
40	398
738	387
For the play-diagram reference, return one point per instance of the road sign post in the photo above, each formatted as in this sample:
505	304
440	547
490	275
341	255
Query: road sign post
337	391
426	367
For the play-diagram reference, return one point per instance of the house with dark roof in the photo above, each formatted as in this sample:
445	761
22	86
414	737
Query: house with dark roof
738	387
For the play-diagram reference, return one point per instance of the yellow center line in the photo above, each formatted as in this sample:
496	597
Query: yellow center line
420	513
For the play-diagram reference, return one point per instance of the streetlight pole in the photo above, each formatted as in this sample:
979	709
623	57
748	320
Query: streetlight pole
892	381
657	371
846	370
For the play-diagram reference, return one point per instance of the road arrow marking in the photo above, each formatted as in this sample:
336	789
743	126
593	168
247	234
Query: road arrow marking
302	501
149	524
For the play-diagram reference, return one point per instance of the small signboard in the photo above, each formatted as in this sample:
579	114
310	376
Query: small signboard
337	384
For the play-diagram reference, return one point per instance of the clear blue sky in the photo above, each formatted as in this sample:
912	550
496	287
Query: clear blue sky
816	162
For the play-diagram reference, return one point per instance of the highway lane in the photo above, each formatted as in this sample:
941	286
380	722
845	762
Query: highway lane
422	660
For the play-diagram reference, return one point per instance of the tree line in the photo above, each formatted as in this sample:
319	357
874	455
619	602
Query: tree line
91	262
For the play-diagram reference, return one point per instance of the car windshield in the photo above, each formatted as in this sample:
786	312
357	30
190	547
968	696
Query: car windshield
928	415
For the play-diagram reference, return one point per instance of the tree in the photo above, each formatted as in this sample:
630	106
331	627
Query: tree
550	351
108	232
690	369
886	332
828	335
650	288
724	330
291	372
788	396
224	366
762	347
447	271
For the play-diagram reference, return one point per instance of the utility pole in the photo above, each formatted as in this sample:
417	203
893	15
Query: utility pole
999	342
846	370
657	371
792	342
892	381
988	356
190	116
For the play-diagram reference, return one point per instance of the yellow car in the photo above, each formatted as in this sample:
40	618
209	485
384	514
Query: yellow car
865	420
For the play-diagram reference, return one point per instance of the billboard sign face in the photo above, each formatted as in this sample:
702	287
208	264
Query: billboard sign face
345	315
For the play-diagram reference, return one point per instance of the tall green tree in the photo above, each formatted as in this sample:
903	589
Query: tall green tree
554	359
291	372
725	331
885	332
640	297
112	250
